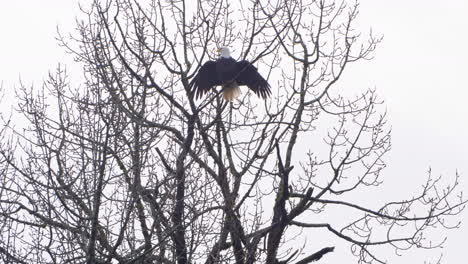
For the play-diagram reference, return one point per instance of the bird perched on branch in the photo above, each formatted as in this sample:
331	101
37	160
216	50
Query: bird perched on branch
230	74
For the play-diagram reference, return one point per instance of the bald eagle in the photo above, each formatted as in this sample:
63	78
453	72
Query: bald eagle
230	74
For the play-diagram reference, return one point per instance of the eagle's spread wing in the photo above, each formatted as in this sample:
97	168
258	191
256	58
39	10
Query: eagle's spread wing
248	75
205	79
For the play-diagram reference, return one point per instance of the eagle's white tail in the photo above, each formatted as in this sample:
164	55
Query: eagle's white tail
231	91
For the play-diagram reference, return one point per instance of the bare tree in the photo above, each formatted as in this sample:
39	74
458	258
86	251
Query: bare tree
128	168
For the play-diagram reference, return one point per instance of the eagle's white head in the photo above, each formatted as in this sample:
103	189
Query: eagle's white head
224	52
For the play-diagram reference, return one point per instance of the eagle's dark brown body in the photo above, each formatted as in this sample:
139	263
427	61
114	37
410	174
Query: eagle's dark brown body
229	74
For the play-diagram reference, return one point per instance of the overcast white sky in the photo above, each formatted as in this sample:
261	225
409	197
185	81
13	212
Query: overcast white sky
420	69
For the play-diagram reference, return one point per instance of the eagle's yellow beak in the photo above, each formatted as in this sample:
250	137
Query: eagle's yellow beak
218	50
